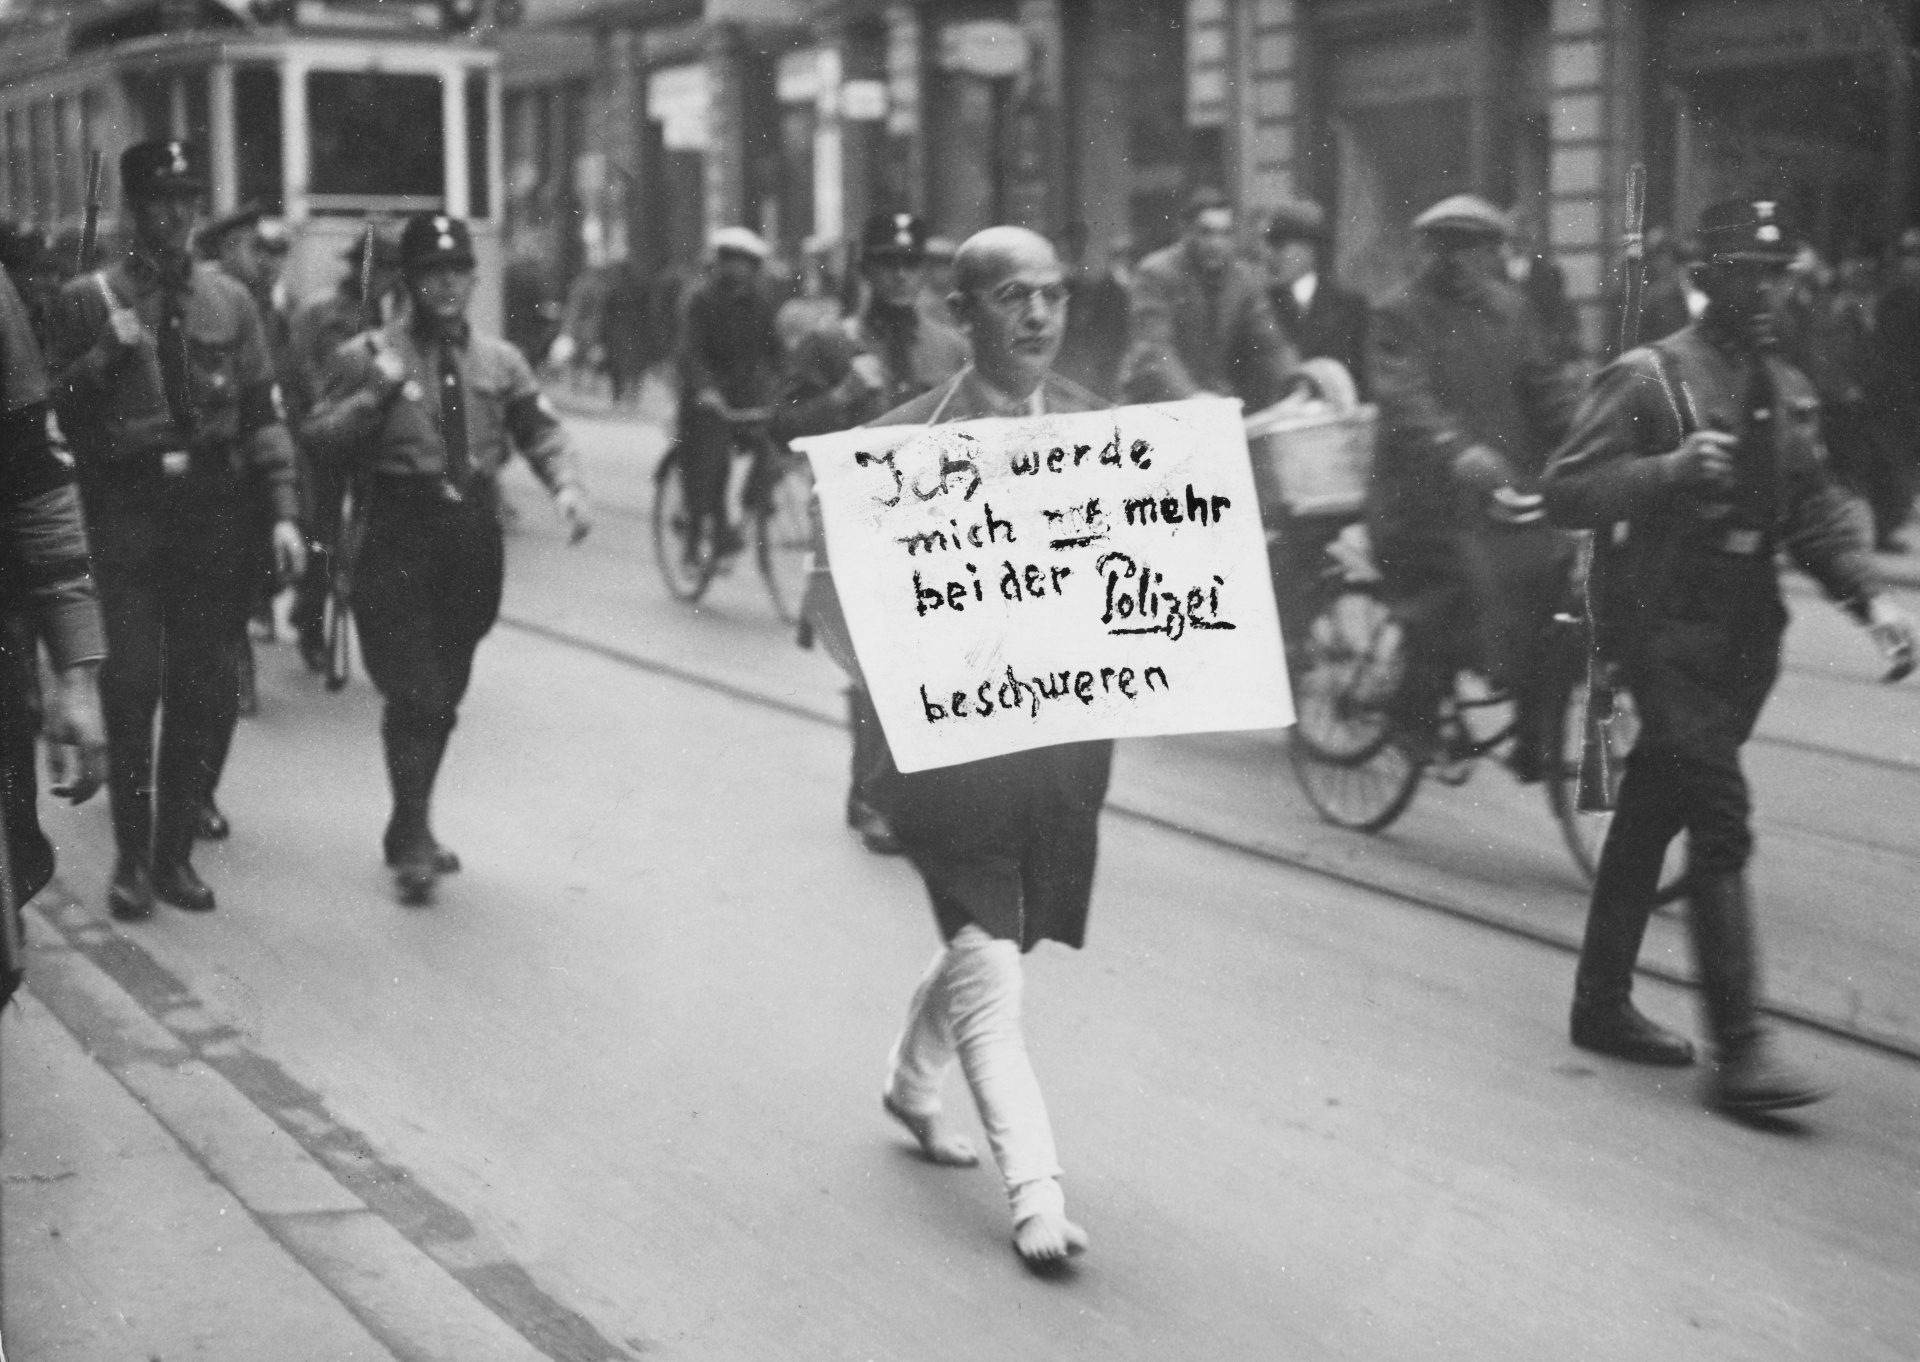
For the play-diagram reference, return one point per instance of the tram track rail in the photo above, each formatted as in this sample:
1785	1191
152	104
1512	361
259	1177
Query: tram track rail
1459	907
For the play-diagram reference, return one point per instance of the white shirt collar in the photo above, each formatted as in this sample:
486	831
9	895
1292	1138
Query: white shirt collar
1304	288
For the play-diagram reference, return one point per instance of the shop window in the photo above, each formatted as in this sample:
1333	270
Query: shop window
257	136
378	141
479	163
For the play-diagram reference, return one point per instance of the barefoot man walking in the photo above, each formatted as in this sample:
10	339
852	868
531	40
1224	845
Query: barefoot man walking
1006	845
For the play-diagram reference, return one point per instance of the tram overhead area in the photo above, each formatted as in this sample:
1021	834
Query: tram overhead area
321	111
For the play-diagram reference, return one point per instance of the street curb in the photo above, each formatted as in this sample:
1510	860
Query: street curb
413	1270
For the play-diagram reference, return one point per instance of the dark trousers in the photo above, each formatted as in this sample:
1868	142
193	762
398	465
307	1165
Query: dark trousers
30	853
174	564
320	493
706	444
426	591
873	766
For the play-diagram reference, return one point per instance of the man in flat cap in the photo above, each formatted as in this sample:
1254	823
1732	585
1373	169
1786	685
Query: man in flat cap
843	375
430	411
1319	316
1696	461
164	384
1201	322
730	360
1471	404
319	327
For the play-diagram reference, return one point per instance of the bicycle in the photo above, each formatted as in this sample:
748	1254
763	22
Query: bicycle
773	508
1354	764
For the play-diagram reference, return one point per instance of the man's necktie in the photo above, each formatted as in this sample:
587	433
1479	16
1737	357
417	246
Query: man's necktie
453	419
173	359
1756	456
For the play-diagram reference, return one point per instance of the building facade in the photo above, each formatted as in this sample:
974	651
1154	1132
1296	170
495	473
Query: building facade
635	127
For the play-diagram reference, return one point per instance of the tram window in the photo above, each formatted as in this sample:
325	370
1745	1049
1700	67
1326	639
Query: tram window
40	129
479	187
19	183
256	120
376	135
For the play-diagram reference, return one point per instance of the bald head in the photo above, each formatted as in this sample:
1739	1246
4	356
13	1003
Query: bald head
1010	295
986	258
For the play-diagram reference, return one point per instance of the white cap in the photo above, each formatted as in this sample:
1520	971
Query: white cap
739	239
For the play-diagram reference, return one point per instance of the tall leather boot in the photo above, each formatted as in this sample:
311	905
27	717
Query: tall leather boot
130	894
1604	1018
415	746
1746	1076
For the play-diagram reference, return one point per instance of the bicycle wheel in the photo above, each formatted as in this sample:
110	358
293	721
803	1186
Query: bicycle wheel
1586	833
783	536
1341	753
686	564
1365	795
1348	667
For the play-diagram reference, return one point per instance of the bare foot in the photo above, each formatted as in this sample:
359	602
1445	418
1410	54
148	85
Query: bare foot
939	1144
1047	1240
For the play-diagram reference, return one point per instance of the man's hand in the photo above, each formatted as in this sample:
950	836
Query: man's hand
289	550
73	723
389	370
866	370
571	502
1892	631
125	328
1482	468
1705	460
711	399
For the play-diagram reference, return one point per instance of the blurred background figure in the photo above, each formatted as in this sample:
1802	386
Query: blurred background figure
1896	373
1531	269
1097	308
531	307
623	326
1319	317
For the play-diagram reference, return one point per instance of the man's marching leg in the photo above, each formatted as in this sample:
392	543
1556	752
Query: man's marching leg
984	988
1604	1018
917	1068
129	699
1746	1076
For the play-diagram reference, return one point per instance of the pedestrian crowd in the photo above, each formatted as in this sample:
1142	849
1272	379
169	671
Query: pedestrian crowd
226	443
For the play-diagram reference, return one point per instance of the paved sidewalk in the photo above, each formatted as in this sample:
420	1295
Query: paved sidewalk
152	1211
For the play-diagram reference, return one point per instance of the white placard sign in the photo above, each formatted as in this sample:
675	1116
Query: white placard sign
1014	583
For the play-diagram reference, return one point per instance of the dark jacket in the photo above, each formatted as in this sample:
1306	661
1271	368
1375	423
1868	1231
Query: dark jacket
43	540
1334	326
1668	564
113	402
1007	843
915	353
728	342
1455	366
1193	332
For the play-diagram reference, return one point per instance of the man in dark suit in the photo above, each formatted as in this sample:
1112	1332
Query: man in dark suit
1318	316
1201	322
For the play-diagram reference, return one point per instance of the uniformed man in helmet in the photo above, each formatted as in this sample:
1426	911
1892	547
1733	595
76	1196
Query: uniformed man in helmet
166	389
1697	460
845	374
430	411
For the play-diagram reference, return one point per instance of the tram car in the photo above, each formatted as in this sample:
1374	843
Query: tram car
324	112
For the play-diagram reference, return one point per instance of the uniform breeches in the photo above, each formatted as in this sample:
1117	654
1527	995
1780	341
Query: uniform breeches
174	566
968	1005
1698	687
320	495
426	591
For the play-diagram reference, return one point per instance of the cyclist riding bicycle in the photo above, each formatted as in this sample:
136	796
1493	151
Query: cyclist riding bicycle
1471	405
730	362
